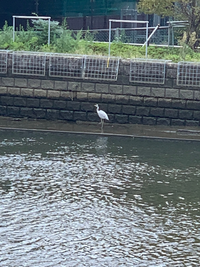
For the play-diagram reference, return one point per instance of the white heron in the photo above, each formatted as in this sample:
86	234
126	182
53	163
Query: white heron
102	115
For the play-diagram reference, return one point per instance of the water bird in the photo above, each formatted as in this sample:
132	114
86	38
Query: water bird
102	115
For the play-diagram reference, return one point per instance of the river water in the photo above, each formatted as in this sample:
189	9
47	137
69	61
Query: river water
83	200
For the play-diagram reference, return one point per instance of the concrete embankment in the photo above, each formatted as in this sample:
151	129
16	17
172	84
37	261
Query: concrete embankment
127	101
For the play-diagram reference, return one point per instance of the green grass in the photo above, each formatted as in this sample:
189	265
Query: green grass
175	54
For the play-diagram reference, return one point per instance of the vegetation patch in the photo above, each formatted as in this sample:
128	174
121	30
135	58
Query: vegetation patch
63	40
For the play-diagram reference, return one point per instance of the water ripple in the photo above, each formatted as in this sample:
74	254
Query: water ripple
96	201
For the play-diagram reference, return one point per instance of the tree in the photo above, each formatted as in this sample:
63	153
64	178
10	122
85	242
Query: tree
180	9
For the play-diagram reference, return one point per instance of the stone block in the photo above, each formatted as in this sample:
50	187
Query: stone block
7	100
149	120
14	91
124	67
61	85
104	107
74	86
121	118
142	111
185	114
3	90
196	115
52	114
20	82
171	72
122	99
68	95
156	112
136	100
113	108
94	97
169	82
34	83
150	101
172	93
13	111
67	115
129	90
73	105
108	98
177	122
27	112
192	123
87	87
86	106
27	92
111	118
115	89
33	102
40	113
171	113
7	81
143	91
165	103
2	110
47	84
91	116
196	95
128	109
123	79
158	92
19	101
59	104
102	88
193	105
40	93
135	119
46	103
80	116
163	121
178	103
187	94
53	94
82	96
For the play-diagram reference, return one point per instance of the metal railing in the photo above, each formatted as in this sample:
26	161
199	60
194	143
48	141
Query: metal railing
151	71
3	61
28	63
188	74
65	65
101	68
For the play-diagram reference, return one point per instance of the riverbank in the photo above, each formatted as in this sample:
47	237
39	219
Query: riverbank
94	128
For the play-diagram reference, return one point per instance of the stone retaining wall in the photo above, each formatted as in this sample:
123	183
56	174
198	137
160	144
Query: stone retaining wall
125	102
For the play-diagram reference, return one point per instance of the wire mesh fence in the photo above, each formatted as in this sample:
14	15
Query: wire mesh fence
3	61
188	74
132	35
64	65
29	63
101	68
149	71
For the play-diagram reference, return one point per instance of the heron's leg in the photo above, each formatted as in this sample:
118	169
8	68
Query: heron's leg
102	121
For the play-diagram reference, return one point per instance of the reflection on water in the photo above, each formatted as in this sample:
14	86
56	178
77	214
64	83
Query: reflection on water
72	200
